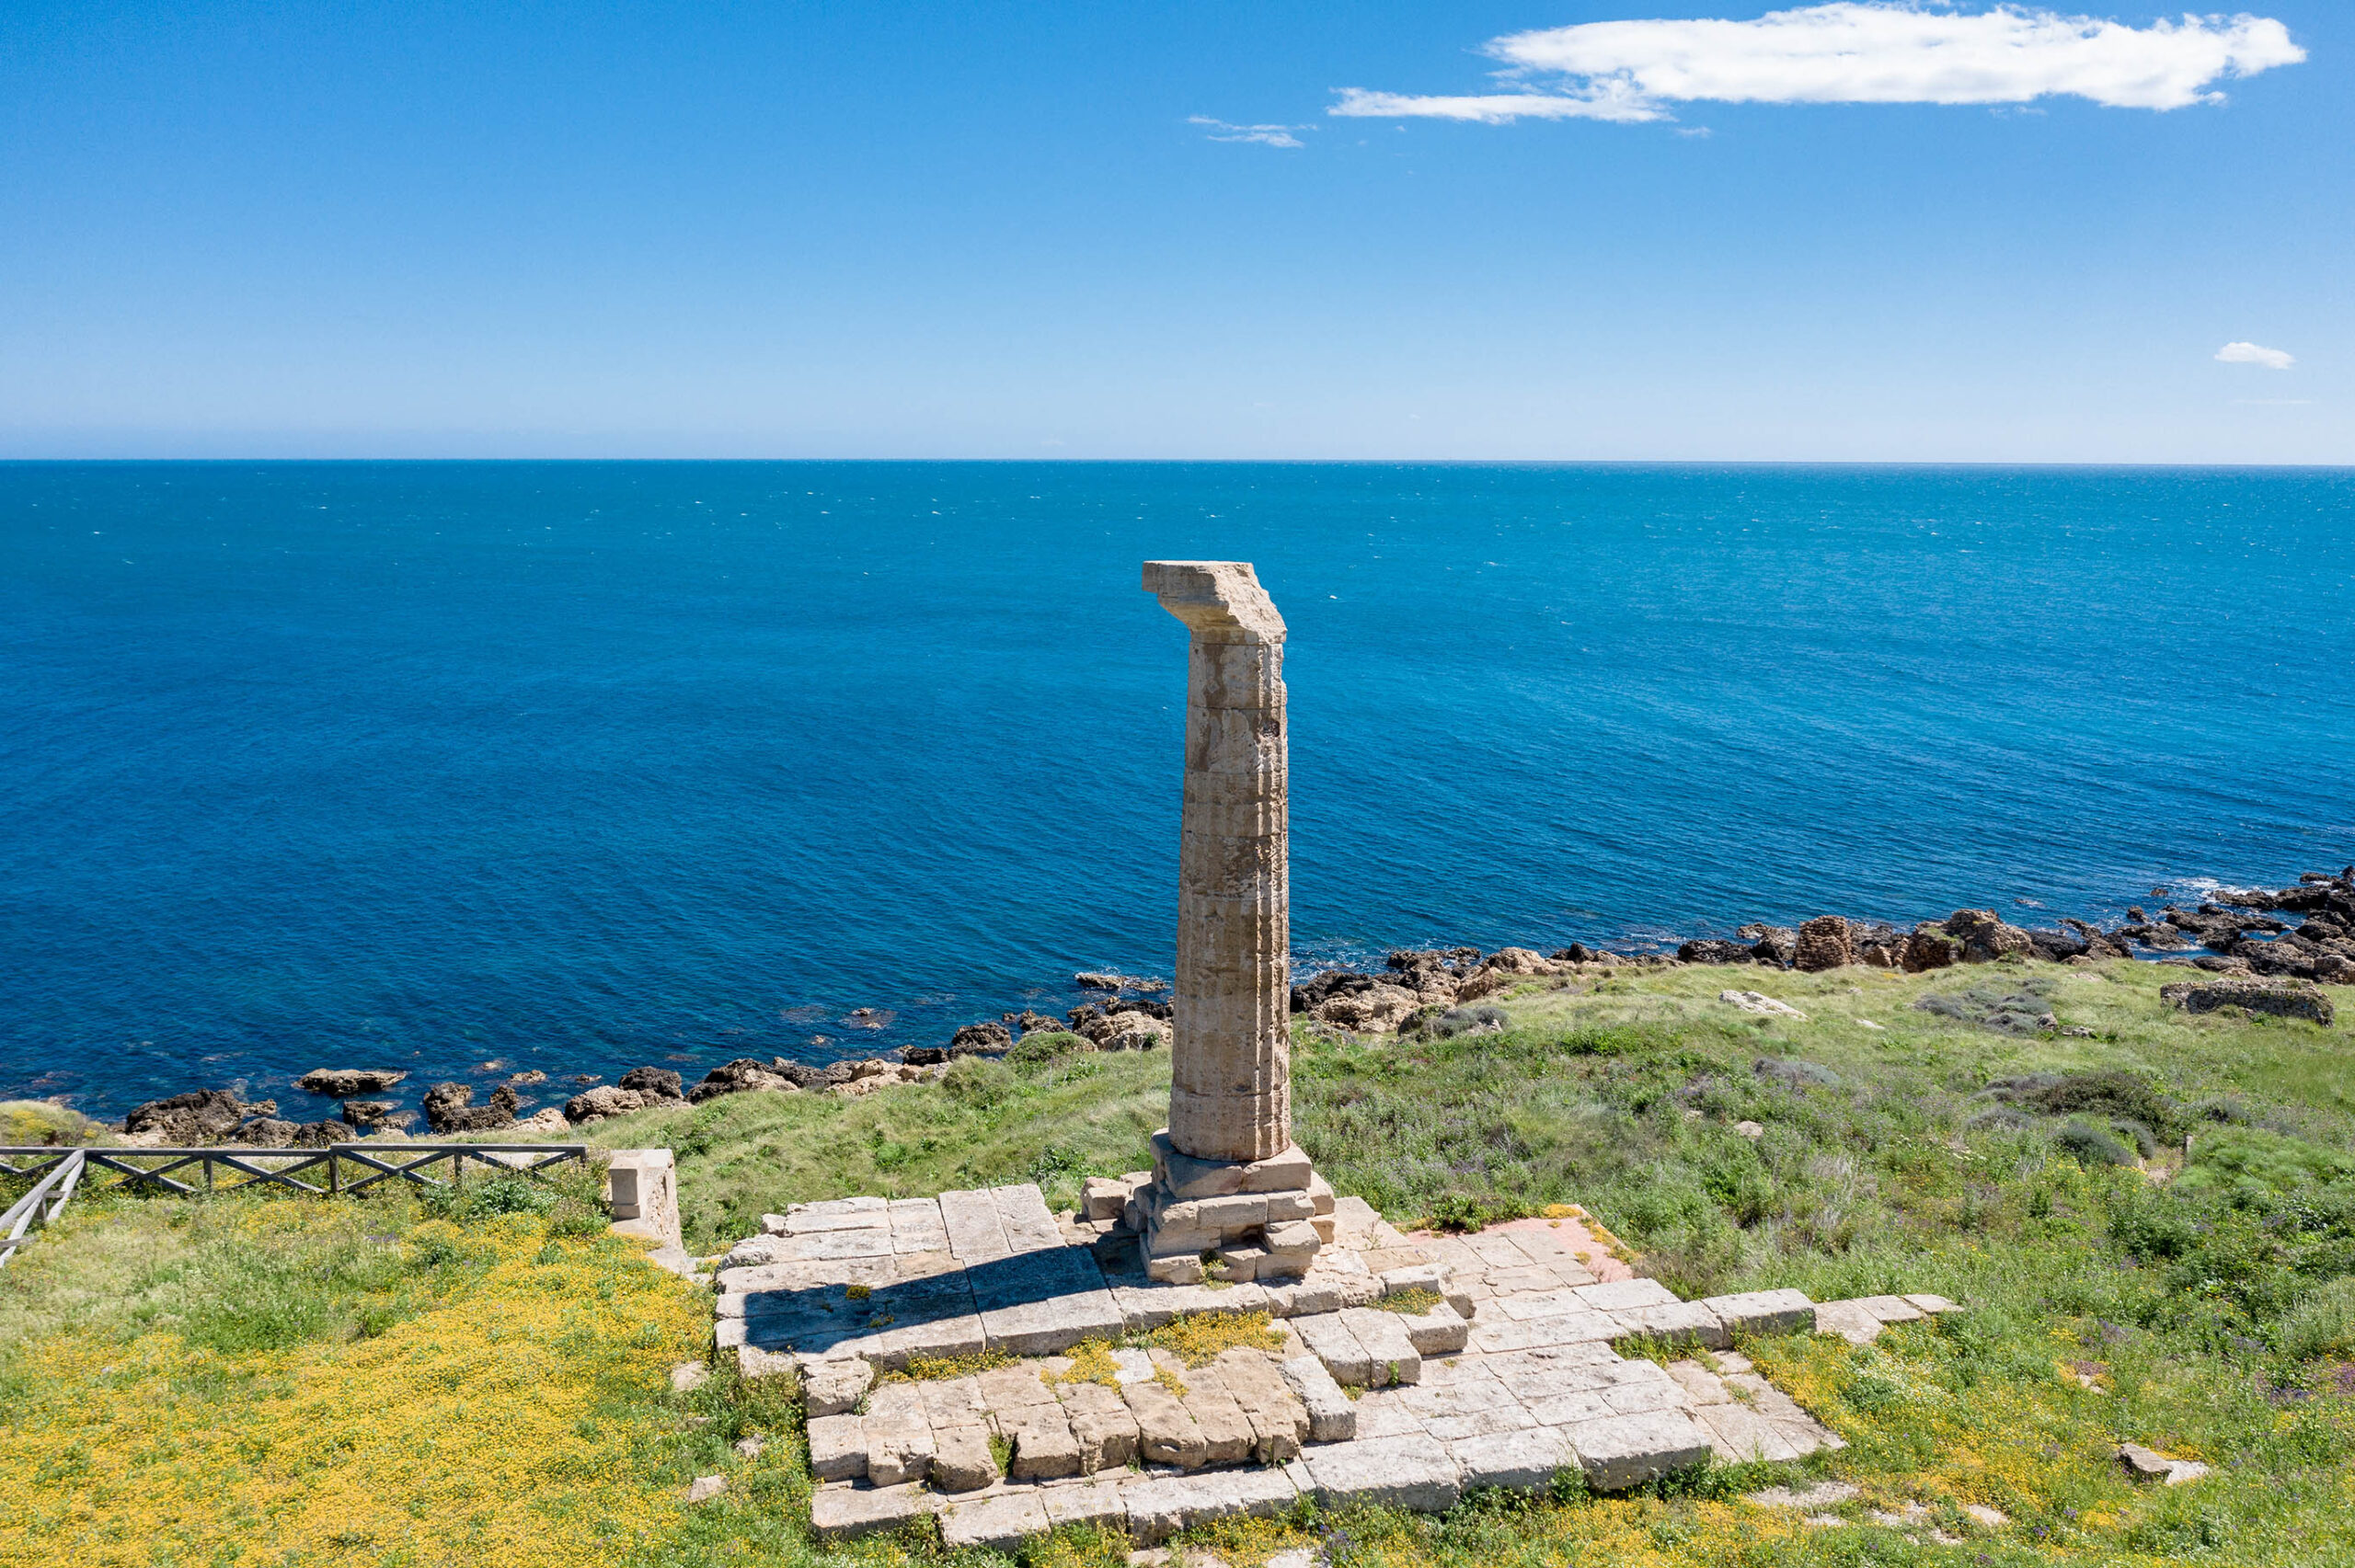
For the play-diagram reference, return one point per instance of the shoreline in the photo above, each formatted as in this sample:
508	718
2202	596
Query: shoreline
2301	931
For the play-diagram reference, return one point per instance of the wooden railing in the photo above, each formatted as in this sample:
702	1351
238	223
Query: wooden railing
336	1168
44	1203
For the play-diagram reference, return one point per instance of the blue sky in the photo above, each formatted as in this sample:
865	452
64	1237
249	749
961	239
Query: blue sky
1002	231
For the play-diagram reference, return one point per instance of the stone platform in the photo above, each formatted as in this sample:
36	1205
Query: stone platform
1483	1360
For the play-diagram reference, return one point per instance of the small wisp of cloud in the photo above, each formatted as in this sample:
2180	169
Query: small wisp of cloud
1880	51
2252	354
1266	135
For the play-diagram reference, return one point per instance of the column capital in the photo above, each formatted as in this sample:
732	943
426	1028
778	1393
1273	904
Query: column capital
1221	601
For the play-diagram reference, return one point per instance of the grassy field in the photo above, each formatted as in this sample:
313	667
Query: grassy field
2042	1177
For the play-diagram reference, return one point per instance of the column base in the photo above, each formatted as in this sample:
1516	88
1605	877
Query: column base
1232	1220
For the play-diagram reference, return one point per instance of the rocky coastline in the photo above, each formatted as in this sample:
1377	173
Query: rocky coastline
2262	939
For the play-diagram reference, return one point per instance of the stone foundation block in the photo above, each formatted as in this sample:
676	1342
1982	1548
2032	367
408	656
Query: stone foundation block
1165	1432
1000	1523
1764	1311
845	1512
1408	1471
833	1388
1439	1331
1095	1502
1101	1424
961	1457
1625	1295
1329	1339
1620	1452
1524	1461
1682	1323
837	1448
1384	1336
1160	1506
1331	1417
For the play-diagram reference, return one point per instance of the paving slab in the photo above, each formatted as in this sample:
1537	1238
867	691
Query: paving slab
1412	1470
1226	1430
1439	1331
1023	1216
1891	1308
1101	1424
976	1234
1626	1294
1093	1501
1166	1431
1331	1417
1383	1338
899	1435
1627	1450
1922	1302
1738	1434
1524	1461
1566	1328
1038	1302
1680	1323
1852	1320
845	1511
1160	1507
1764	1311
1000	1522
837	1448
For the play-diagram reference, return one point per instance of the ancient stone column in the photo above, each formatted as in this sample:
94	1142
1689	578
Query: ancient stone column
1228	1182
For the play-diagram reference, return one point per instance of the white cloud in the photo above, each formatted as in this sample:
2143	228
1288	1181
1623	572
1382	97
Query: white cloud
1267	135
1853	52
2251	354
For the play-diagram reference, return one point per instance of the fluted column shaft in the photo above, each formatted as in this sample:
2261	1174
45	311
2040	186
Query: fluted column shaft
1230	1096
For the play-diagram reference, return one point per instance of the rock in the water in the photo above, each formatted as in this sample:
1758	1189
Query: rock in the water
605	1100
343	1082
449	1107
654	1082
206	1115
1823	943
2283	999
739	1077
981	1040
1772	943
1714	950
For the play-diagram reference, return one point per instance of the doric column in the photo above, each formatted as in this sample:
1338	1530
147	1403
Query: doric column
1230	1097
1230	1194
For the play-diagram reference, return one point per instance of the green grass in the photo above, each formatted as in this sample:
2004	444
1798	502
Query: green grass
2212	1298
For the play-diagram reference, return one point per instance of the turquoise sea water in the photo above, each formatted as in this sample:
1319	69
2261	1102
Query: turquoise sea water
577	766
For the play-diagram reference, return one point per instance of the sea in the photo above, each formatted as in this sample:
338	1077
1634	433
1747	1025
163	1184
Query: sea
469	768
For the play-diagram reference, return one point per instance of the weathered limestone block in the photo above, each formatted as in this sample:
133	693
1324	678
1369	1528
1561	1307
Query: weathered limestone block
1166	1433
845	1513
1521	1460
1412	1470
1384	1336
961	1457
1278	1421
1160	1506
1678	1323
1226	1432
899	1435
1101	1424
1626	1294
1764	1311
1096	1501
999	1523
837	1448
1438	1331
1620	1452
1329	1339
833	1386
1044	1447
1332	1418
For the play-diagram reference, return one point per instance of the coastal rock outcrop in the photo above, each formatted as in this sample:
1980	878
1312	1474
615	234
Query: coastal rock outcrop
343	1082
1986	938
450	1107
1129	1031
741	1076
981	1040
604	1100
1715	950
204	1115
1375	1010
654	1082
1823	943
1928	947
1772	943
